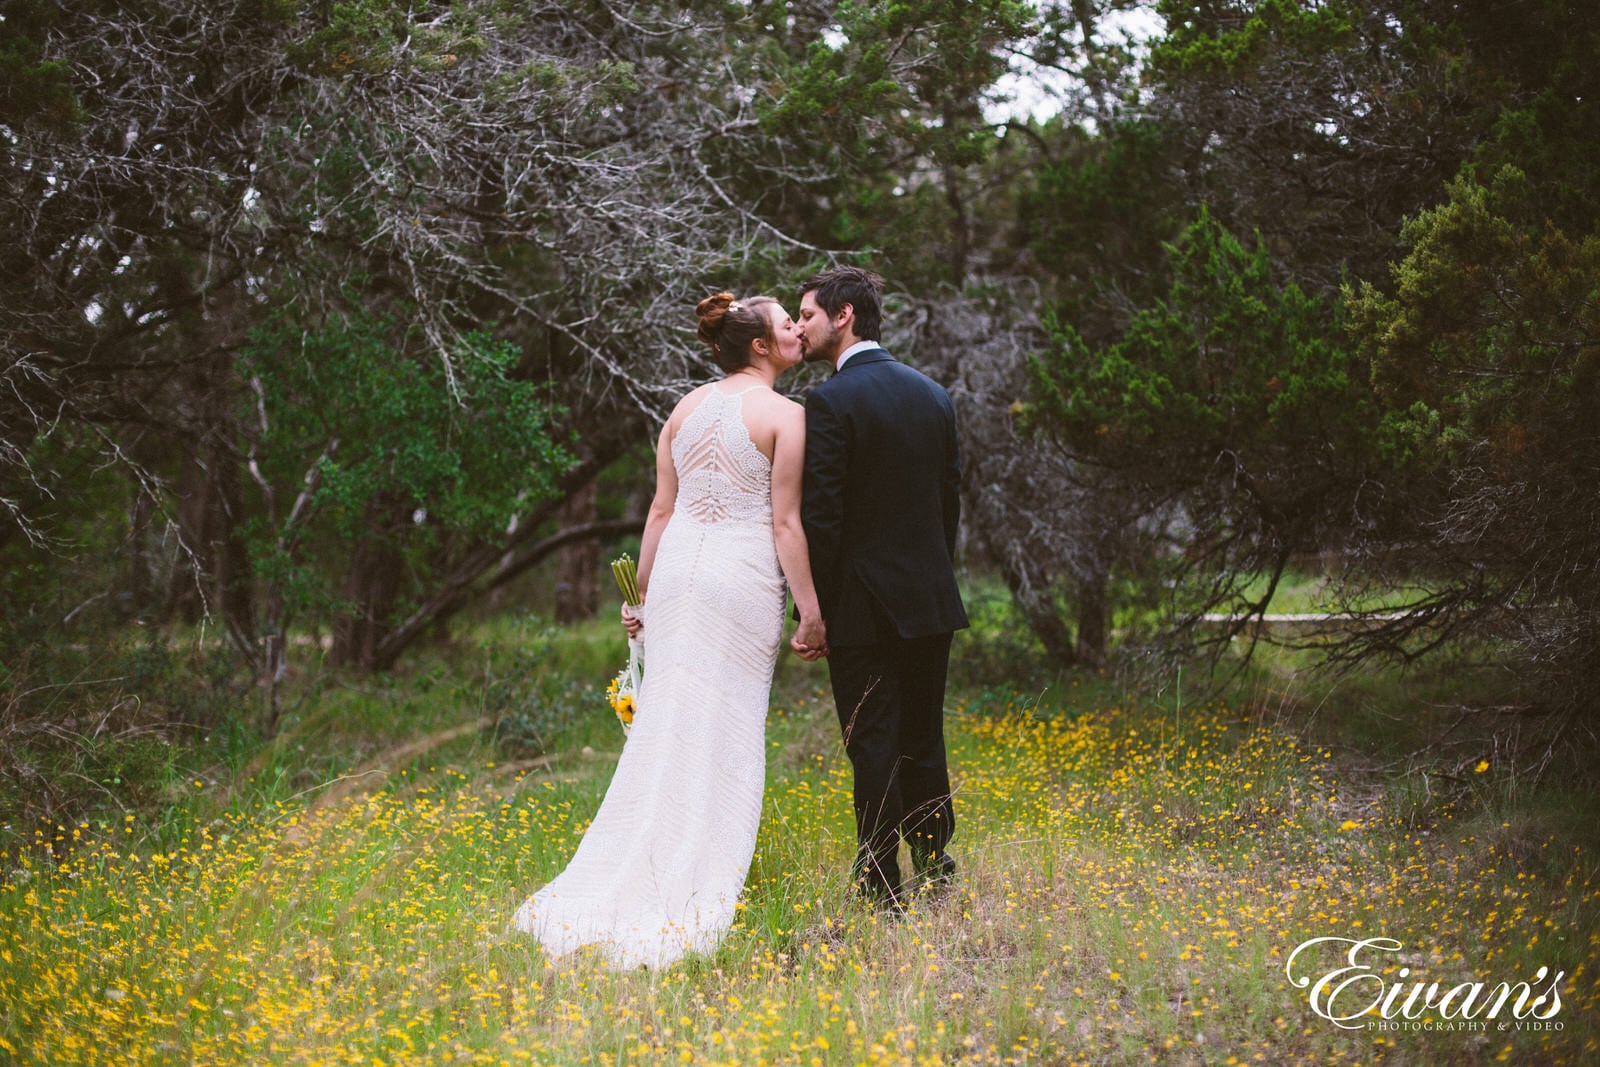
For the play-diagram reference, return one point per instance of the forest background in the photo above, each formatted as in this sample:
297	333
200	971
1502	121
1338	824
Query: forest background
333	332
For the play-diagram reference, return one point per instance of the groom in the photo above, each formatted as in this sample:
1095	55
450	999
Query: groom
880	509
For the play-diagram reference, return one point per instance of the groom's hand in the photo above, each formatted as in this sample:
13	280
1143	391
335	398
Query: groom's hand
810	640
810	655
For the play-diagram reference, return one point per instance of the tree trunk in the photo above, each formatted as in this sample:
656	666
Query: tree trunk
371	588
960	228
136	594
577	564
491	565
1092	610
1039	612
186	584
451	599
235	576
213	571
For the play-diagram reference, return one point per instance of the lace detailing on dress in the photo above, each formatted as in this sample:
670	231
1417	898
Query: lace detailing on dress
722	475
660	869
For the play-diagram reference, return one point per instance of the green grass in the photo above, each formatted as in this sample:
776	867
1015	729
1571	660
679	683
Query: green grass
1134	871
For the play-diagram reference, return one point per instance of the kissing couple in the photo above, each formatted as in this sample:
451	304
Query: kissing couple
851	502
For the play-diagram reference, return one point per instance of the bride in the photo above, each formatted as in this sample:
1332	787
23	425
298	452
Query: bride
659	870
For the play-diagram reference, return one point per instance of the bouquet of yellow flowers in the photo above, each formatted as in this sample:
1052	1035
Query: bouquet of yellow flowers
622	693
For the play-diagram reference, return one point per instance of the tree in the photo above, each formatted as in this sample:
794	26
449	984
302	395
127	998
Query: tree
1228	415
892	106
1030	511
1321	125
1487	356
366	460
177	174
1484	342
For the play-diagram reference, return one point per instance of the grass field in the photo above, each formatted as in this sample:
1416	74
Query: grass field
1136	867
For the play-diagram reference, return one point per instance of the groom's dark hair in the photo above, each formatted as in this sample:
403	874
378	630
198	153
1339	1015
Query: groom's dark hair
861	289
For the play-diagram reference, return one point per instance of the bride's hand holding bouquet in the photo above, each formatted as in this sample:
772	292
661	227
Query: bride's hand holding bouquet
622	693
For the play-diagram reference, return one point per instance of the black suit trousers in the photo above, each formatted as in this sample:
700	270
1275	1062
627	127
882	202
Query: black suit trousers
890	698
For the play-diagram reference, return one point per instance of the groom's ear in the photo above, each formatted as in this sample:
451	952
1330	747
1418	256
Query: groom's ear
847	313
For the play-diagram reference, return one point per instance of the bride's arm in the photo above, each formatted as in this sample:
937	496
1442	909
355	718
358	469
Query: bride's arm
660	506
788	466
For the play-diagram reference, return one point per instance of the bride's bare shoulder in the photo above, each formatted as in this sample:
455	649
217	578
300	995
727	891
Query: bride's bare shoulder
775	403
772	418
688	403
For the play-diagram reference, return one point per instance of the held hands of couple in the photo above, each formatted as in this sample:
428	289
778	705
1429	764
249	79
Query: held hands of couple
810	640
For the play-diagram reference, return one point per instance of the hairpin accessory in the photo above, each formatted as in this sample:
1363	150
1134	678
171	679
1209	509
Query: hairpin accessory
736	306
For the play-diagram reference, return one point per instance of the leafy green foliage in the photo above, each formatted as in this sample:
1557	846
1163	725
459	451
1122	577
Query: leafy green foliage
901	69
1484	346
1487	354
406	448
381	36
1537	61
1099	214
1487	351
1228	420
1229	361
1321	124
32	87
1212	37
893	83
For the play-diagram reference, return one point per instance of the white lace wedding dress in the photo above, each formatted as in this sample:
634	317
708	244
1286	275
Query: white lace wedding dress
659	870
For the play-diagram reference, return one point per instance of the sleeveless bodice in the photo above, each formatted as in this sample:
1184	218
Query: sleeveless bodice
722	476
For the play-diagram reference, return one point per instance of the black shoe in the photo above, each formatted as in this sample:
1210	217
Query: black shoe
880	897
877	882
890	906
935	872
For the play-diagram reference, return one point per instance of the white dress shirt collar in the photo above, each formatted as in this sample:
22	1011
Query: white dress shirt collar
859	346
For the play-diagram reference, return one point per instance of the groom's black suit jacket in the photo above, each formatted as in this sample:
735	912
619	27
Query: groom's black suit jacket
881	501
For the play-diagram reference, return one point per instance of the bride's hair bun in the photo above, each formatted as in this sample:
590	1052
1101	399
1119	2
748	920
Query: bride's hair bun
712	310
729	325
